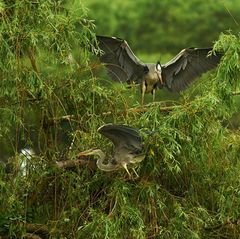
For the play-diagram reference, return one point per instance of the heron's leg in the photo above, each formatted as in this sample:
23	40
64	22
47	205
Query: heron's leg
153	94
125	167
143	90
135	172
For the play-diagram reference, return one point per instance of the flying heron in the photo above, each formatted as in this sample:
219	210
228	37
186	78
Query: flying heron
128	148
176	75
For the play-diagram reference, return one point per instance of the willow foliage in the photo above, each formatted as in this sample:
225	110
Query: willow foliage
51	100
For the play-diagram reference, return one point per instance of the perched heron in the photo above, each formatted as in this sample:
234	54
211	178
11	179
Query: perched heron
128	147
175	75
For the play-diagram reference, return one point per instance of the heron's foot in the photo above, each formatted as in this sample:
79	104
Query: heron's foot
143	90
137	176
132	177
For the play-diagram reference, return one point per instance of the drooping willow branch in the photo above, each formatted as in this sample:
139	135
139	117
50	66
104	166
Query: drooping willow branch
135	110
138	110
32	59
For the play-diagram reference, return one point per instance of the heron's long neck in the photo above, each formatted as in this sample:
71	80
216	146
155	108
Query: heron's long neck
102	166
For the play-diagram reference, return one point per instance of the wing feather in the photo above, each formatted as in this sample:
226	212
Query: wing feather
120	61
185	67
123	137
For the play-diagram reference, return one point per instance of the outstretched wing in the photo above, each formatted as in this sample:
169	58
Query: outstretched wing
121	63
185	67
125	138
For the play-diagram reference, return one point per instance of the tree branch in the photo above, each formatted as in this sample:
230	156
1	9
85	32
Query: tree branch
136	110
236	93
68	164
31	236
32	59
162	108
36	228
54	120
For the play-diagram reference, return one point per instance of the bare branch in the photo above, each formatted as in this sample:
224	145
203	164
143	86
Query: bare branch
68	164
36	228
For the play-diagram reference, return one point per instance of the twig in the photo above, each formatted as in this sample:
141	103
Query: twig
236	93
163	108
139	110
54	120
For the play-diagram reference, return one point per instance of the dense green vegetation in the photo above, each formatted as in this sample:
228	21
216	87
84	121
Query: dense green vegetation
157	27
53	97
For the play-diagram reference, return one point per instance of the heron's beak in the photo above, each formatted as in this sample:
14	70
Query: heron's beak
86	152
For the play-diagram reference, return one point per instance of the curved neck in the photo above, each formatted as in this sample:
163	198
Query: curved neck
105	167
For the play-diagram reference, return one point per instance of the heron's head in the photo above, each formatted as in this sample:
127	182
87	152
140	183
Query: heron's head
93	151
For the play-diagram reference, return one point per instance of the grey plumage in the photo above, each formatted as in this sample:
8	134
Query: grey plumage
175	75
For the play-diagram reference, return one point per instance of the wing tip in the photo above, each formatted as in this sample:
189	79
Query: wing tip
103	126
98	37
116	126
